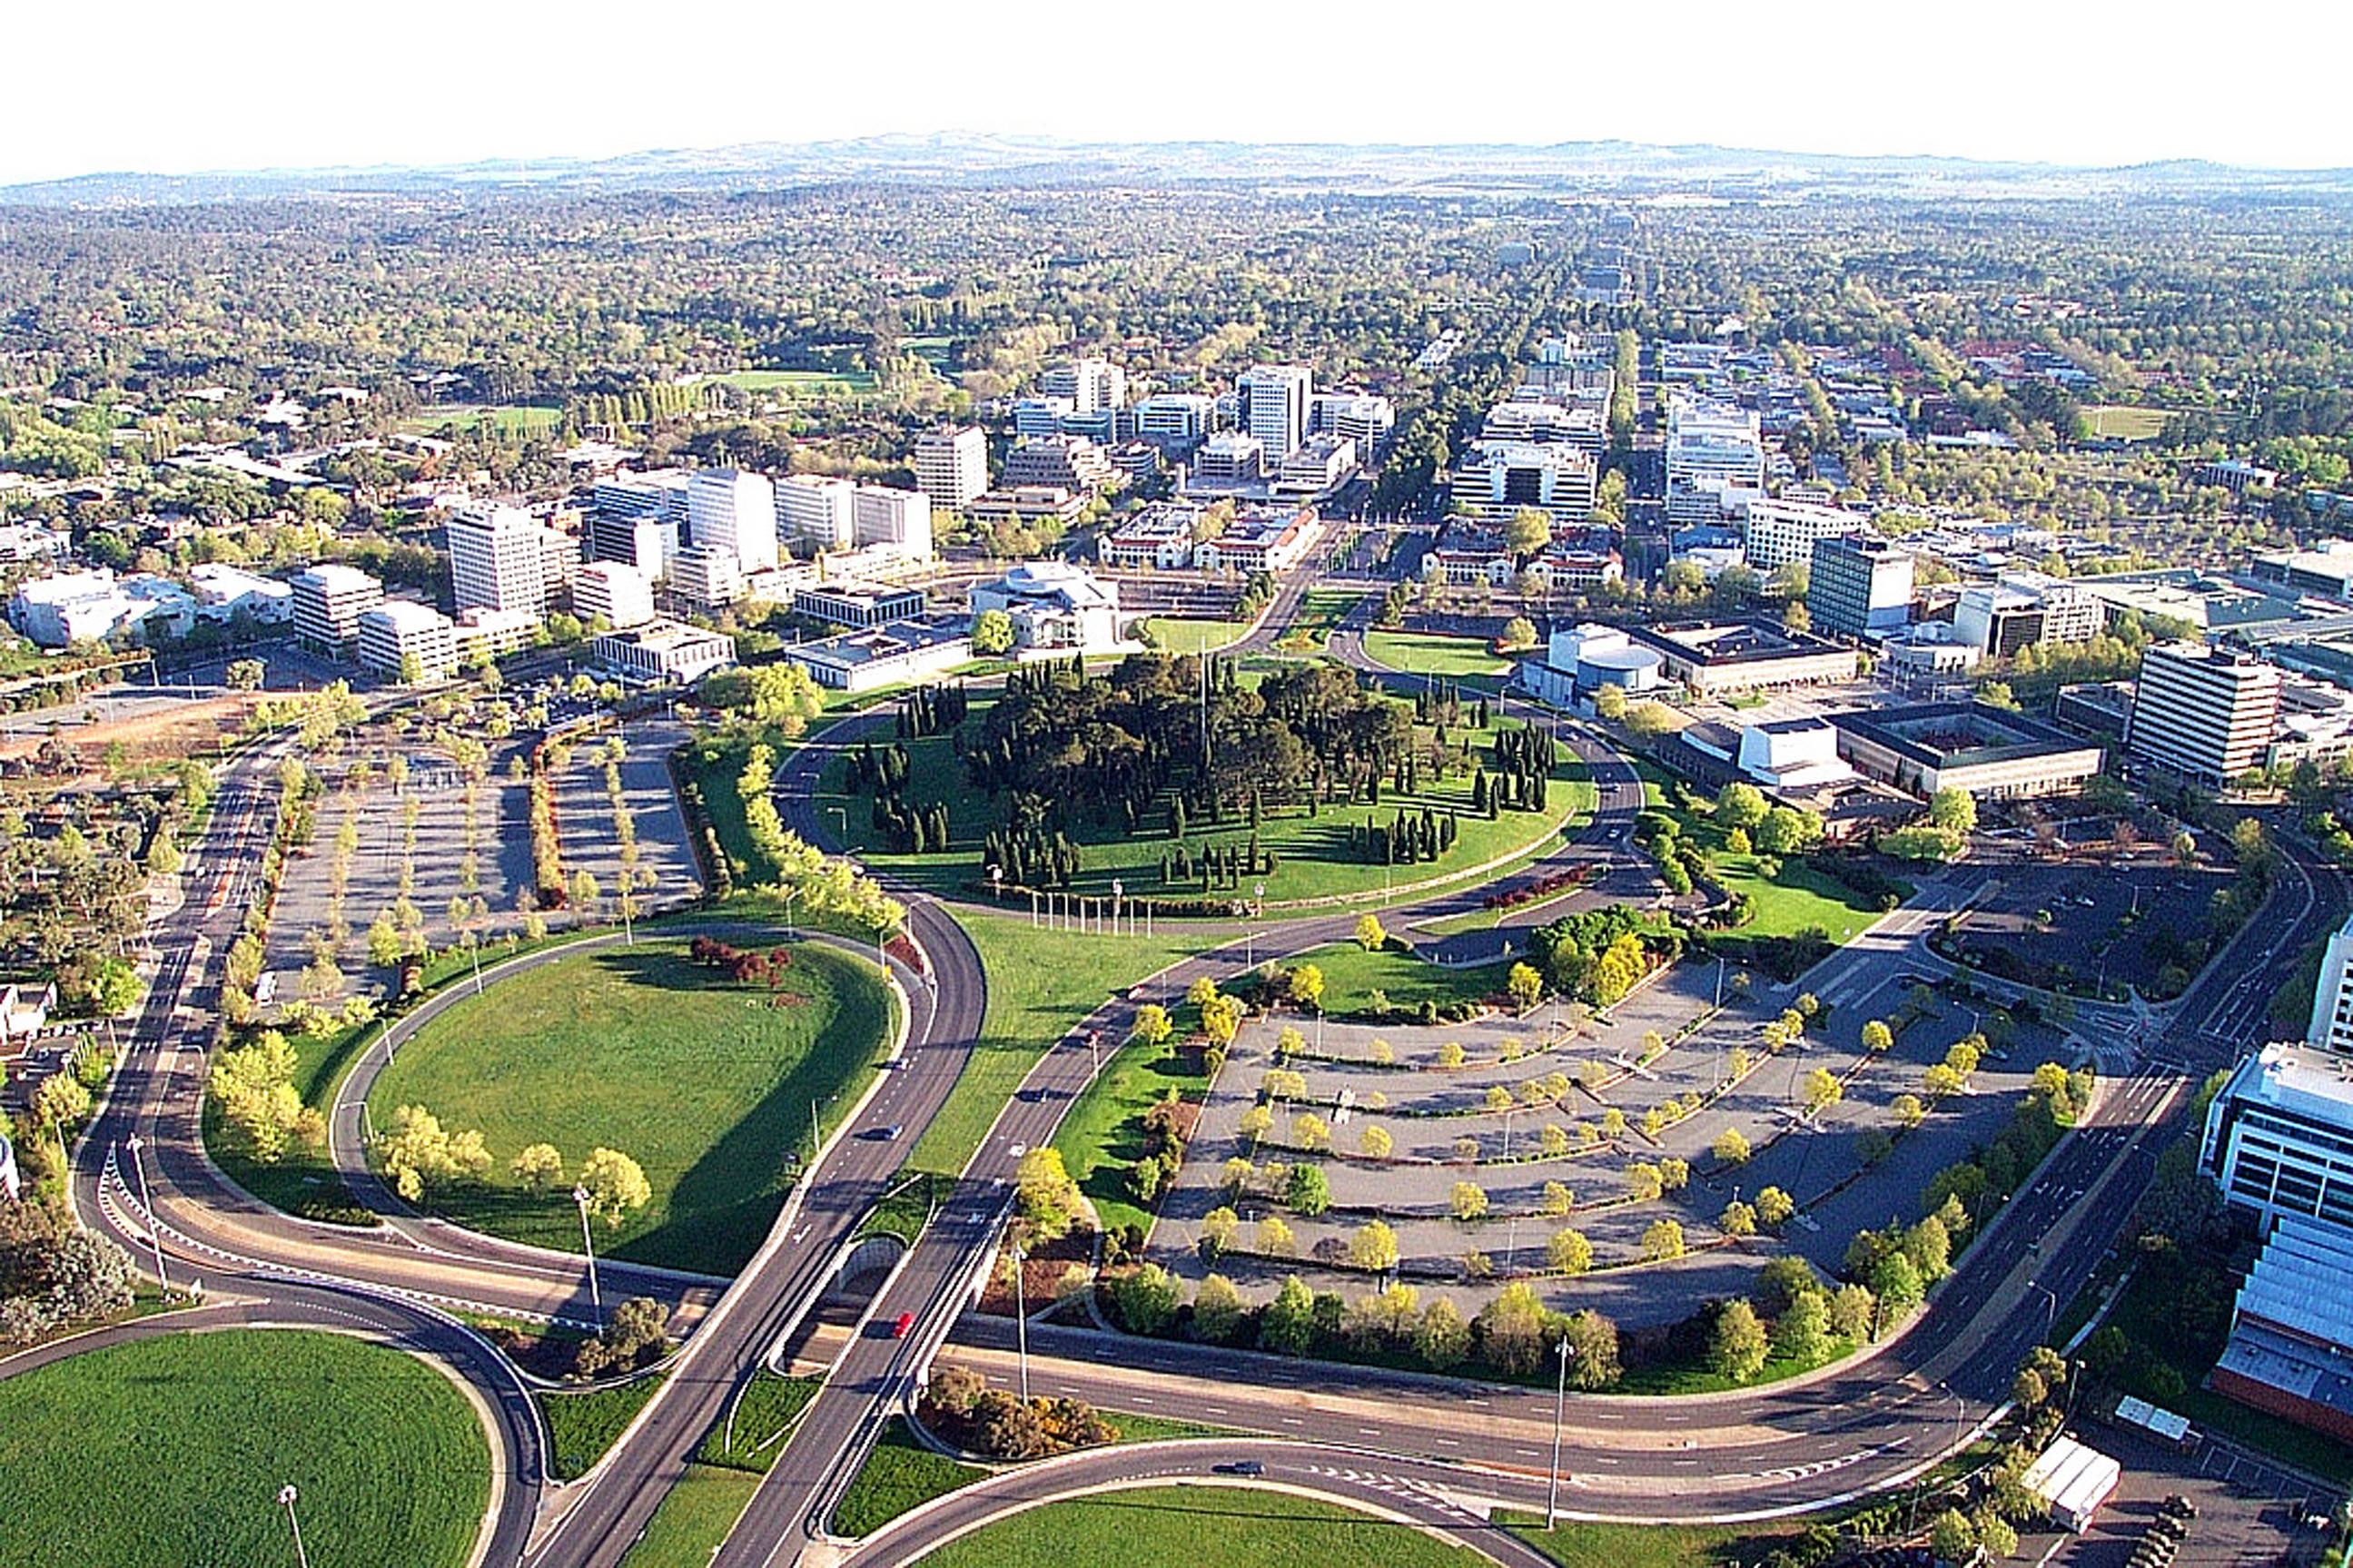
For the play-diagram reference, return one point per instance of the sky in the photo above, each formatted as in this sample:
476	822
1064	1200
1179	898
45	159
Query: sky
168	86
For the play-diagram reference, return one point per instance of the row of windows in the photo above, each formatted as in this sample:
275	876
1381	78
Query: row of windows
2262	1181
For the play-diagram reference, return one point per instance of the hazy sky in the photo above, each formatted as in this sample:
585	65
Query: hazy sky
174	86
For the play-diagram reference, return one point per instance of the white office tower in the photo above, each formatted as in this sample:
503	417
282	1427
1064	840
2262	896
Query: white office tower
1091	384
1358	416
727	509
1711	448
1041	416
2202	712
899	519
404	641
706	576
329	600
619	593
2332	1001
1273	401
498	559
638	519
818	510
951	465
1176	418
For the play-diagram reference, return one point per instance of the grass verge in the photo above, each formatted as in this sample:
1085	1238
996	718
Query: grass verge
899	1475
769	1407
694	1517
1199	1524
581	1426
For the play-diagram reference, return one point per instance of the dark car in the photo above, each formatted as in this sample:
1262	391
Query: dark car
1242	1468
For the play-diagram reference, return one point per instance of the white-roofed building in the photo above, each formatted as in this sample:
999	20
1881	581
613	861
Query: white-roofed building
1054	605
224	592
663	652
819	509
329	599
402	640
617	592
1496	479
731	510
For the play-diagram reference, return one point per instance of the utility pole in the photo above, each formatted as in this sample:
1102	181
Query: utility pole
1021	1319
595	1297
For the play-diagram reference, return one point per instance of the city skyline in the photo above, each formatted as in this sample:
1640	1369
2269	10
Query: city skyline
278	92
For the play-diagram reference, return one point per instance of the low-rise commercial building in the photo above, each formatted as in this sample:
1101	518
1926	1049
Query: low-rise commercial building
663	652
1270	540
1064	462
1742	654
2023	608
225	592
1028	506
329	600
405	641
619	593
855	605
904	651
1991	753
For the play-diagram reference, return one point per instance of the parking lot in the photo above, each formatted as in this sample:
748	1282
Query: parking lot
2094	929
2250	1510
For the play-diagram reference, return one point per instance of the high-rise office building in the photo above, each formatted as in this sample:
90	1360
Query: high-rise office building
1859	586
498	559
951	465
1090	383
402	640
638	519
329	599
1273	405
2202	712
819	509
728	509
1711	448
899	519
618	593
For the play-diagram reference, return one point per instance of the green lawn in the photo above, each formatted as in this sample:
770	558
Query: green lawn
694	1517
766	1412
304	1179
1351	975
1102	1136
1320	610
171	1451
2124	421
1420	653
1314	856
508	418
797	381
899	1475
581	1426
1668	1378
1041	981
1182	637
1576	1546
1797	899
1199	1524
702	1081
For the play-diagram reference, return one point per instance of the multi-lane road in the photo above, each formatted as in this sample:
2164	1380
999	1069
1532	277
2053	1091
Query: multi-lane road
1422	1449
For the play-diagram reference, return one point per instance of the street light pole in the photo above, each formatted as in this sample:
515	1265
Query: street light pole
1021	1319
286	1496
1560	1405
154	1231
595	1297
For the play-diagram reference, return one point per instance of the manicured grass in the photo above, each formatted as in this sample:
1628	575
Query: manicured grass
1314	856
508	418
906	1208
1102	1136
1579	1545
1320	610
581	1426
1182	637
171	1451
304	1179
1041	981
702	1081
2124	422
766	1412
1351	975
1670	1378
1135	1428
694	1517
1199	1524
1797	899
899	1475
798	381
1421	653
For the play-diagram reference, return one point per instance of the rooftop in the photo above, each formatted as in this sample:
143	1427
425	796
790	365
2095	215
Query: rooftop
1744	641
1957	734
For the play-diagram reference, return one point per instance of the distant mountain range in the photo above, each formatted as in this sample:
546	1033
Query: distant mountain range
1636	171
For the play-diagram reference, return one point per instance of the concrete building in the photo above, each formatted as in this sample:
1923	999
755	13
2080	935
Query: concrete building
617	592
1229	457
1090	385
1783	532
1358	416
1580	660
731	509
1065	462
1177	420
1054	606
402	640
707	577
819	511
639	519
663	652
2202	712
1260	539
1991	753
1319	466
857	604
1742	655
1273	401
1859	586
881	655
479	635
1028	506
1535	413
1496	479
93	605
225	594
951	465
1710	446
1793	756
2331	1028
893	520
1160	536
1036	416
498	559
329	600
2021	608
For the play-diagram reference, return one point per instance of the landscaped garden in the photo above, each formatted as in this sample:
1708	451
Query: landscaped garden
700	1072
172	1450
1313	788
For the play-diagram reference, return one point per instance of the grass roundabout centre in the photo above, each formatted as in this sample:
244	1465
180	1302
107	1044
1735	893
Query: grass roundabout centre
171	1450
703	1069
